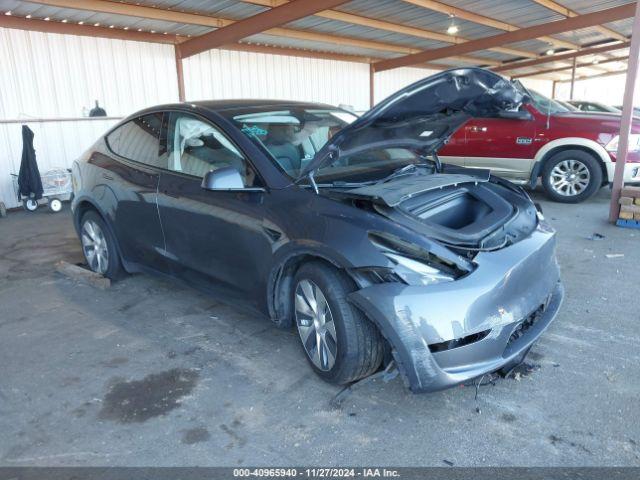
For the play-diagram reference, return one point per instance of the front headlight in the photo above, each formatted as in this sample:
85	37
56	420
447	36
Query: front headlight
413	272
634	143
412	264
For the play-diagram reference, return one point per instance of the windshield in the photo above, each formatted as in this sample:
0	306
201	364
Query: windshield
544	104
292	136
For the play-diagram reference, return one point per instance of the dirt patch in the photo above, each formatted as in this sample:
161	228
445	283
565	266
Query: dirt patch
154	395
195	435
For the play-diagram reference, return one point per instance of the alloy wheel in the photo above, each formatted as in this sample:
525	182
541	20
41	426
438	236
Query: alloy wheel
570	178
315	325
94	246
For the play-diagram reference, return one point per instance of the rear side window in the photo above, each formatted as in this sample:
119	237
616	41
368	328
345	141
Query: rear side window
138	139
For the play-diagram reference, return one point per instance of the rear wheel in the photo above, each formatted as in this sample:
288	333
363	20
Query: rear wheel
99	246
340	343
571	176
55	205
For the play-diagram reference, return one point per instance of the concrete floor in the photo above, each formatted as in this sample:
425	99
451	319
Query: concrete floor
151	372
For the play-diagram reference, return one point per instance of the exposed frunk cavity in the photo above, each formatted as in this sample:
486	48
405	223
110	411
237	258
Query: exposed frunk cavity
455	211
462	213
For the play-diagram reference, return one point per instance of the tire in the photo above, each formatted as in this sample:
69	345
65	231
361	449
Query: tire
30	204
358	347
95	235
54	205
571	176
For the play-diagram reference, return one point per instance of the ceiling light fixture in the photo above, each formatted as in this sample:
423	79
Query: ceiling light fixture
46	19
453	28
28	16
551	51
64	20
80	22
97	24
8	13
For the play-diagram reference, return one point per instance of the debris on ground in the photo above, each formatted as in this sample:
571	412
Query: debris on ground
614	255
596	236
448	462
522	370
81	274
389	373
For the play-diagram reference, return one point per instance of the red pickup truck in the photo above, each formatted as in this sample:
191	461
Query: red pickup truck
573	153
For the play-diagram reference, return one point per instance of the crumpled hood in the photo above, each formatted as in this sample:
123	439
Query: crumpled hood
425	114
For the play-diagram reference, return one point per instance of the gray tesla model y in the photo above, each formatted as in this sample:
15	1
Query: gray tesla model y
348	229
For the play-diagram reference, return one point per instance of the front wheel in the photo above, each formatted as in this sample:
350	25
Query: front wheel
30	204
99	246
340	343
571	176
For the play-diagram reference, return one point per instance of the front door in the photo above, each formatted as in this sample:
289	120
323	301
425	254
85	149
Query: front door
505	146
214	239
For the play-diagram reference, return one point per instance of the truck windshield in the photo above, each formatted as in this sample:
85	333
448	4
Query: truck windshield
544	104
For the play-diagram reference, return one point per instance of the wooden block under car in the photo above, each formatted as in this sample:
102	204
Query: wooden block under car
627	200
630	208
630	192
626	215
82	275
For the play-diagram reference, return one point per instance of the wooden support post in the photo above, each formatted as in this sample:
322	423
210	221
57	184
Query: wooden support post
627	116
573	78
372	81
180	73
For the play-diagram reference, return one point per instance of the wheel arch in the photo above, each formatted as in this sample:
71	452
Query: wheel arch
86	204
570	143
280	282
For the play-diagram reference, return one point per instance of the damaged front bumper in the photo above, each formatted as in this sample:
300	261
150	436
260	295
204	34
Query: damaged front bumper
445	334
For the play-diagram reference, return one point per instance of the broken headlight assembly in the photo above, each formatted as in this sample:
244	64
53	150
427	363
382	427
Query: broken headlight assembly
412	265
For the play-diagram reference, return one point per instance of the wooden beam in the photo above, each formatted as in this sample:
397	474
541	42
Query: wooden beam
154	13
568	67
589	77
256	24
296	52
561	56
12	21
527	33
395	27
482	20
562	10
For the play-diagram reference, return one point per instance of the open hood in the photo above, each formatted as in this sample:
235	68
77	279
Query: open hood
425	114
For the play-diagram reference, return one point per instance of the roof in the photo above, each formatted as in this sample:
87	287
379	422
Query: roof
364	30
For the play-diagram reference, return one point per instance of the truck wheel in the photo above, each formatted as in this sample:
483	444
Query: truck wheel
341	345
571	176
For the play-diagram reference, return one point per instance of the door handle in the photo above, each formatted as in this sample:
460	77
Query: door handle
107	177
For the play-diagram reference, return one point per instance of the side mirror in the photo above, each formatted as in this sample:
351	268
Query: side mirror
516	115
225	178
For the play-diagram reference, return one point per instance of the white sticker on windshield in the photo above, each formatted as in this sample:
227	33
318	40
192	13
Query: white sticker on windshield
426	133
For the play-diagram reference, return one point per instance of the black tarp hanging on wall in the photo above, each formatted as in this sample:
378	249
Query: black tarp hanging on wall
29	180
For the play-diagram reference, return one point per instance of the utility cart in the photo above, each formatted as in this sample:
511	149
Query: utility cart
57	188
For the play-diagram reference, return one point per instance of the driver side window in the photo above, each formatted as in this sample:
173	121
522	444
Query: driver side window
195	147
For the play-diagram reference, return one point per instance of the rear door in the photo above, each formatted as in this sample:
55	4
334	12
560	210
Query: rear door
215	239
505	146
132	176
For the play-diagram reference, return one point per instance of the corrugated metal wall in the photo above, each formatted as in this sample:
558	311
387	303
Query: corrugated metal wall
609	90
45	75
390	81
230	74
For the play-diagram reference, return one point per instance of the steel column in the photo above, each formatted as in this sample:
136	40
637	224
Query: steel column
573	78
627	116
180	74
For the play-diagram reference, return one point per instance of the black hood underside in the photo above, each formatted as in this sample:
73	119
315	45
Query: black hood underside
425	114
